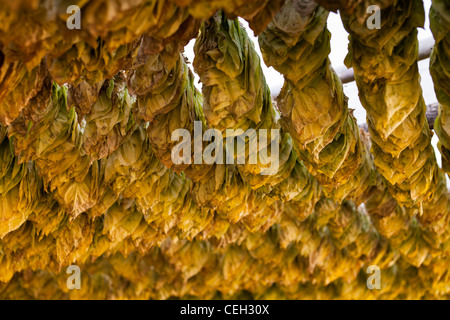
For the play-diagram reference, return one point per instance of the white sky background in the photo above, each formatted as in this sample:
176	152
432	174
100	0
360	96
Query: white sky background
339	43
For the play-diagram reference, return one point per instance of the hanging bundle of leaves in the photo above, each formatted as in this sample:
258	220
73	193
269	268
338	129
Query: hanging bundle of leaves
35	254
385	65
232	78
168	100
82	97
440	71
350	228
84	62
128	33
399	227
110	120
31	29
133	171
48	216
312	103
20	188
49	134
18	87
